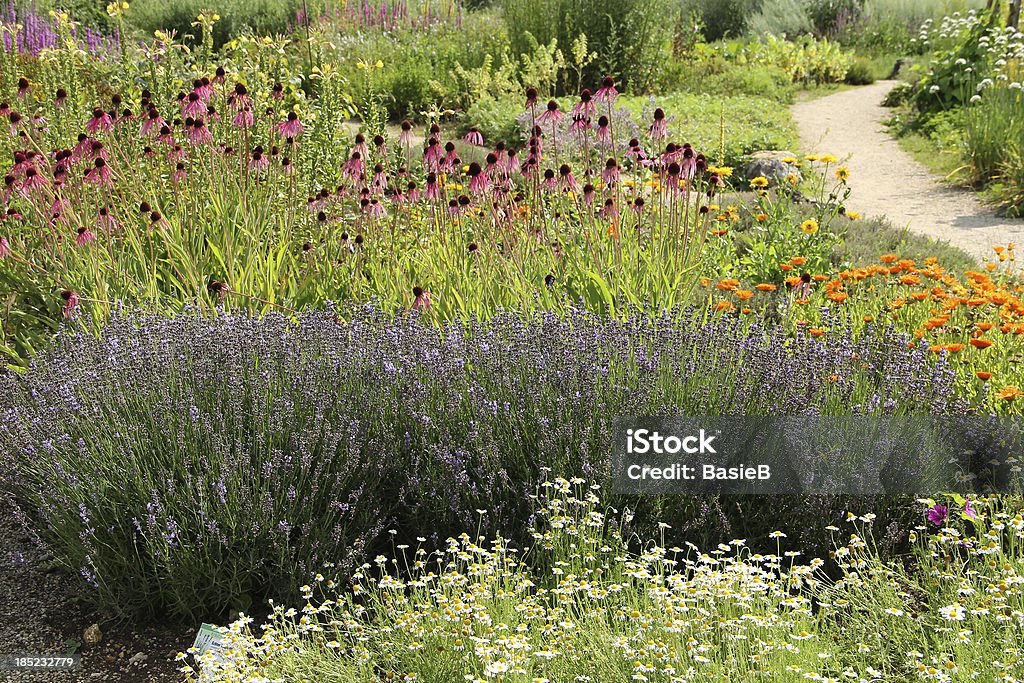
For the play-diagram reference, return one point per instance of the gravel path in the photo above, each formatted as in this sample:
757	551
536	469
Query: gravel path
887	181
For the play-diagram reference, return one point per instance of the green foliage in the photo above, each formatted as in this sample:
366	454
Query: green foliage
829	16
723	18
629	37
750	124
495	119
763	81
805	59
263	17
864	239
860	72
786	18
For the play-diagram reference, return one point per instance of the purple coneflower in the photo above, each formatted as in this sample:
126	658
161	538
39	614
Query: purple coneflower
474	137
380	179
244	118
23	86
421	299
179	172
550	180
34	181
70	302
433	187
5	247
193	105
152	123
199	134
241	97
566	181
610	174
85	235
354	167
478	181
405	137
106	222
531	98
60	98
291	127
100	122
585	107
377	209
258	161
969	509
589	194
99	174
604	131
277	92
658	129
610	210
607	91
552	114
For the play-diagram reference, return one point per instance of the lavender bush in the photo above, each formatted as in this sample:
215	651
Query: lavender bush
190	465
29	31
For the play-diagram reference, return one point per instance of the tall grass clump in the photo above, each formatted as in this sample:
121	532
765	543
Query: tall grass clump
193	464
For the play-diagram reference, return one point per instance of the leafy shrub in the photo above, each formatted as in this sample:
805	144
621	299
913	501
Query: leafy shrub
829	17
787	18
264	17
495	119
229	459
806	59
760	81
860	72
629	37
724	18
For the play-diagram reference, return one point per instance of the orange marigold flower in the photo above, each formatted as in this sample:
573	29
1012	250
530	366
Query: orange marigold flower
816	332
981	374
705	281
785	267
719	233
976	301
910	279
743	294
793	280
919	296
838	297
897	303
728	284
990	267
889	258
802	302
935	348
798	260
955	348
762	217
819	277
747	311
999	249
981	343
985	326
766	287
1008	393
869	318
724	306
931	261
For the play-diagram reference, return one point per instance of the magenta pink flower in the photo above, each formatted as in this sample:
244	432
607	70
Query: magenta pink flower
604	131
405	137
180	172
607	91
610	210
610	174
243	119
70	302
5	248
376	209
106	222
551	114
34	181
969	509
421	299
291	127
580	124
585	107
433	187
566	181
258	161
199	134
241	99
152	123
658	130
100	122
99	174
354	167
937	514
474	137
193	105
479	184
85	235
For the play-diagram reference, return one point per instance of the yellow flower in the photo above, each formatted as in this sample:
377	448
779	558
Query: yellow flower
759	181
793	161
809	226
853	215
842	173
116	9
812	157
827	159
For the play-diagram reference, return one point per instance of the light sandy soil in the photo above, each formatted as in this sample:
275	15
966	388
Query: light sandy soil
886	181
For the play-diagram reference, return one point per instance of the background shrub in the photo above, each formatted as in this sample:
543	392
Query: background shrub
629	37
860	72
264	17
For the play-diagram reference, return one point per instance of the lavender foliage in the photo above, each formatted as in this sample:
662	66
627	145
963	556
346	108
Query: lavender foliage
190	465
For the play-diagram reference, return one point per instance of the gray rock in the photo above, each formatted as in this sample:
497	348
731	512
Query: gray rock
770	164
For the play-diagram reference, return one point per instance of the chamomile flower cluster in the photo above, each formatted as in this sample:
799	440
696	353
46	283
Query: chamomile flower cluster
582	606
